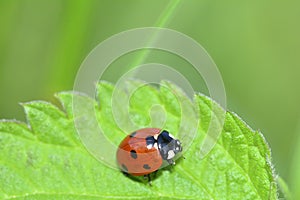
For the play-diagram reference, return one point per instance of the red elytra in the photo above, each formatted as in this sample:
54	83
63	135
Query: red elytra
143	151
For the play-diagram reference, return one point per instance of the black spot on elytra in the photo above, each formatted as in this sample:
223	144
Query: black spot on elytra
133	154
146	166
124	168
132	134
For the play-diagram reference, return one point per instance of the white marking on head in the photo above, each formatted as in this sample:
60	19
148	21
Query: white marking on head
171	154
177	148
155	145
149	146
178	142
171	136
155	136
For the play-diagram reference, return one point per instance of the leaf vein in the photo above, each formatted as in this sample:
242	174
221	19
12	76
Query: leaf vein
194	180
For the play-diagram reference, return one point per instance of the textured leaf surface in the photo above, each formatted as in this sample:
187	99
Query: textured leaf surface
45	159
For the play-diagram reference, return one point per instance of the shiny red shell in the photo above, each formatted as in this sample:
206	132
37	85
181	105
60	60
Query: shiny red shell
133	155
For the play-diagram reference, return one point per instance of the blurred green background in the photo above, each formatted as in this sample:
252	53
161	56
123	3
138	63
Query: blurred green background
255	44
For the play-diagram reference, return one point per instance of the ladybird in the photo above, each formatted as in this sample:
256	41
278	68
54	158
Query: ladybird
143	151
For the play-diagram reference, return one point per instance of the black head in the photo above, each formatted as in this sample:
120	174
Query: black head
168	146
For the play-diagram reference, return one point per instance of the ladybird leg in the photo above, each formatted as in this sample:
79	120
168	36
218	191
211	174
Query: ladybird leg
154	174
147	176
125	173
171	162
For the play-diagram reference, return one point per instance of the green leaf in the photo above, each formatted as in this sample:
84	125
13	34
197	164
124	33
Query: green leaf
295	165
45	158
